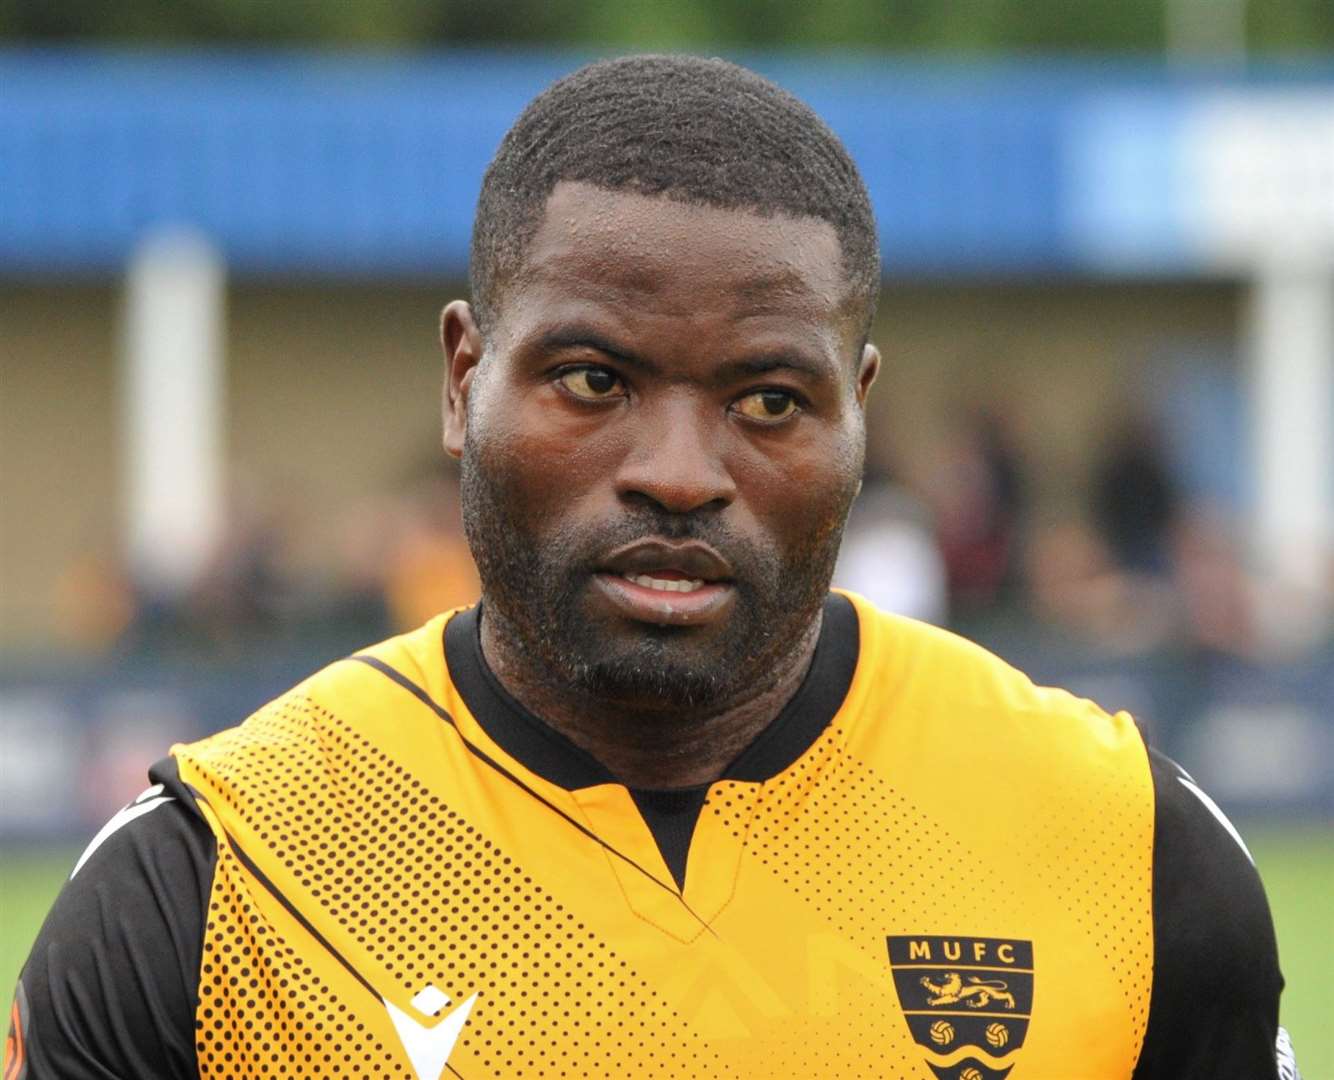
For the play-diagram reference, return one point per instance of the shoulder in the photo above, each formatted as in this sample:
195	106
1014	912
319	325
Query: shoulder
1216	982
110	986
1209	901
354	698
161	823
898	651
955	689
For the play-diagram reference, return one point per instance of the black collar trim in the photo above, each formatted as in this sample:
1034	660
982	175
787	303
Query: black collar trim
553	757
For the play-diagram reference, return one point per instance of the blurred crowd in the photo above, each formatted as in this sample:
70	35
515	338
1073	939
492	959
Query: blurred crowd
1132	591
1136	564
286	570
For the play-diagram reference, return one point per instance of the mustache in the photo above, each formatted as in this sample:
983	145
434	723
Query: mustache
594	542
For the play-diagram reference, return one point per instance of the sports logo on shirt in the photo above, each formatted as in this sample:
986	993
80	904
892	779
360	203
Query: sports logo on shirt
428	1045
967	1000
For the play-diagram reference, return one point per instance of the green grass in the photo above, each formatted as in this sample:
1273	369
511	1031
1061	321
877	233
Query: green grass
29	881
1298	870
1297	865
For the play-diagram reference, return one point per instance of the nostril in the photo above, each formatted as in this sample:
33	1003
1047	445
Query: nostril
674	501
677	485
680	492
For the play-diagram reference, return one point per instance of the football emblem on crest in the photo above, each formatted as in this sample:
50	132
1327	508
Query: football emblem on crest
964	994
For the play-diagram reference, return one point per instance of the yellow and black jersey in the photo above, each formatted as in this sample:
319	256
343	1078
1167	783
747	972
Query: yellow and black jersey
925	867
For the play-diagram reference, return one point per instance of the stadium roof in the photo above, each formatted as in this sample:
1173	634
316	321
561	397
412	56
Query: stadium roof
361	165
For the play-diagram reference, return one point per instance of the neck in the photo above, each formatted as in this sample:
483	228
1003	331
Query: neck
644	744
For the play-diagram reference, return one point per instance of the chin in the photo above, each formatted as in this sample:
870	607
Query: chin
653	678
642	688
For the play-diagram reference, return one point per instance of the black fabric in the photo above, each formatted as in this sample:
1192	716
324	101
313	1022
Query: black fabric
554	758
518	732
813	706
1213	1013
112	982
671	817
500	770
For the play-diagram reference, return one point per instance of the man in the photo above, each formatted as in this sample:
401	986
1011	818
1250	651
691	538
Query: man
661	804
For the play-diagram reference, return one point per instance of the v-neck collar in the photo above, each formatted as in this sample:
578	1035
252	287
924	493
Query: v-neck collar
549	754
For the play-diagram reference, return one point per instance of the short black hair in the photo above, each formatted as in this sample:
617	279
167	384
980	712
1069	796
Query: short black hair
691	129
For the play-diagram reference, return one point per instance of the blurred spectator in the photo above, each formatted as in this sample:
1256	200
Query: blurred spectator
1134	497
95	603
361	543
247	587
889	553
386	563
1217	595
430	568
976	496
1075	586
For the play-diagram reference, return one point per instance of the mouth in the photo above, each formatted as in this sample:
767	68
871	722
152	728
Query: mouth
666	584
666	581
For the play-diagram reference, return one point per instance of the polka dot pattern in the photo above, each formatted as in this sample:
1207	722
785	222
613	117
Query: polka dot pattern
263	1010
419	894
882	859
829	857
1097	869
830	804
884	862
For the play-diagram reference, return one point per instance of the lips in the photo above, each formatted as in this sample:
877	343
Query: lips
665	583
690	560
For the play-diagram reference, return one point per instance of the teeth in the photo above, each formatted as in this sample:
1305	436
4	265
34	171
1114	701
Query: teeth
682	585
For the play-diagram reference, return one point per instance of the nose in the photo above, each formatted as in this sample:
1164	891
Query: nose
676	460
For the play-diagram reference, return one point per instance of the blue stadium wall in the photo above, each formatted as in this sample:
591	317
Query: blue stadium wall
351	165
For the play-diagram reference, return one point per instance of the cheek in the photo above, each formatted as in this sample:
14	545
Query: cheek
804	491
545	465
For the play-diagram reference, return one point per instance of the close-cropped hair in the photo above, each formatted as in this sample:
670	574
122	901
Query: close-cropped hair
698	131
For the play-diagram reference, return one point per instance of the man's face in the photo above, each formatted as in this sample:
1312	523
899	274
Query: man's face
660	444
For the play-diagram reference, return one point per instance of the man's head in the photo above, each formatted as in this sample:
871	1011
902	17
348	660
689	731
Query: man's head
704	132
659	411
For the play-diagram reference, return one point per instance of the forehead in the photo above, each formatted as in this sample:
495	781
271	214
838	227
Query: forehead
642	253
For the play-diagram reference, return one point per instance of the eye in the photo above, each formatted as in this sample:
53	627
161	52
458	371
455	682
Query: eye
590	383
768	405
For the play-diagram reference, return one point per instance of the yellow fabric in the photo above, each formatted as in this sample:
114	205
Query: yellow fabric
949	803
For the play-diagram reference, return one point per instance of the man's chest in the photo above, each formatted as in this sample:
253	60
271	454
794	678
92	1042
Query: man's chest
834	927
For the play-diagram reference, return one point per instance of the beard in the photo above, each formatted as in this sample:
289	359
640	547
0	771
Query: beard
536	582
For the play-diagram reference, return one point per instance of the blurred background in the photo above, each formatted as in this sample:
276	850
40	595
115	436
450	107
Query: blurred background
1102	442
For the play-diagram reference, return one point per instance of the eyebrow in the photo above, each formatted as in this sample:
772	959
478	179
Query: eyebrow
762	286
775	361
582	337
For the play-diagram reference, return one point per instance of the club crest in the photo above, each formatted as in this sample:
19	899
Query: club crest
967	1001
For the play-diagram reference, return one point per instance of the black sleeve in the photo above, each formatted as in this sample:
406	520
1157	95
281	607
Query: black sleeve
1213	1012
110	988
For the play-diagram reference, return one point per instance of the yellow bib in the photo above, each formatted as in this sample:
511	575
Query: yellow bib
952	881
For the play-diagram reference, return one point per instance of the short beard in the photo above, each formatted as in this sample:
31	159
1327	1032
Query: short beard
534	584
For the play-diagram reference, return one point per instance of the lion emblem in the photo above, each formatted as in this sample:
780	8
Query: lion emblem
976	993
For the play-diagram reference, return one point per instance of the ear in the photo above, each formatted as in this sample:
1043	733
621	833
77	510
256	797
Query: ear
461	343
867	370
